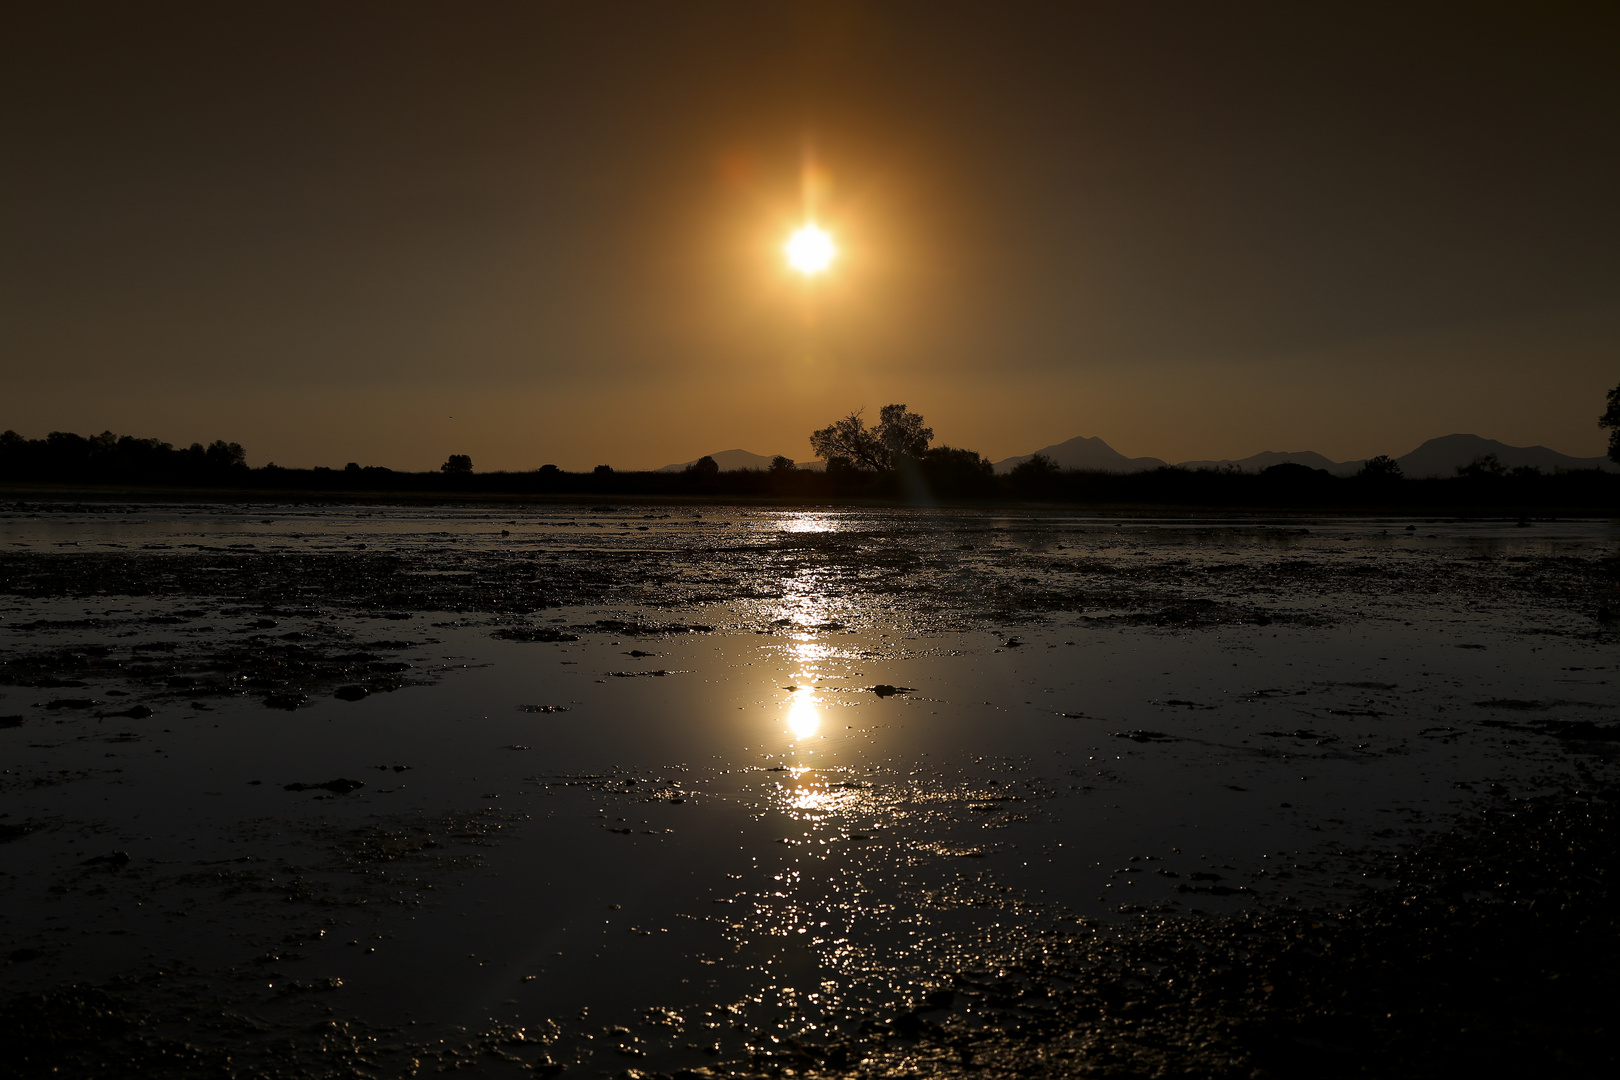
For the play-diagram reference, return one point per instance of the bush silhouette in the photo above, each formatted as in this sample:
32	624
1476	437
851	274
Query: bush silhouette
1488	466
951	472
1382	467
457	465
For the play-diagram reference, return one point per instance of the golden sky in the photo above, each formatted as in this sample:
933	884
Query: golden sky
553	233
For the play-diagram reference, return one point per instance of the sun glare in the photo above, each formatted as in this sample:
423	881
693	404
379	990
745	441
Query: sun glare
810	250
803	718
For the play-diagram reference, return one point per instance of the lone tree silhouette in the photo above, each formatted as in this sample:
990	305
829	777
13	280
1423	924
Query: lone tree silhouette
1035	473
1382	467
1481	467
457	465
1611	420
704	468
899	435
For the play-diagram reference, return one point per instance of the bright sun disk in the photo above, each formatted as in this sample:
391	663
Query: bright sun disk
810	250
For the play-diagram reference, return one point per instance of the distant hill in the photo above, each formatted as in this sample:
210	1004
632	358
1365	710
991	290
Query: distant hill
1083	453
1437	457
1442	457
732	460
1267	458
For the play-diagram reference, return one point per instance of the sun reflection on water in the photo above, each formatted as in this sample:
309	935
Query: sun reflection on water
804	715
809	523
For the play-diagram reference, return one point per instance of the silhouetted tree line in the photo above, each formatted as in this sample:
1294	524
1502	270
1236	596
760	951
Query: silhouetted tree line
109	458
891	462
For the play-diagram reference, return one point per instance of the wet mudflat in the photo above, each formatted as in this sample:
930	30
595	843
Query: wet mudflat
585	789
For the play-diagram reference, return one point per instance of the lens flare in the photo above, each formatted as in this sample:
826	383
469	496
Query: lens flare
810	250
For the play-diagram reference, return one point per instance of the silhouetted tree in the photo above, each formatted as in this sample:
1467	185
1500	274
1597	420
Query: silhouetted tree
1611	420
353	466
1489	465
548	470
1382	467
898	434
704	468
952	472
849	444
457	465
902	433
1036	475
603	470
781	464
1038	466
222	455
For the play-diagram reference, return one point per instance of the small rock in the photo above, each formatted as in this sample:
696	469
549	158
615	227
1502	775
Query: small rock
340	786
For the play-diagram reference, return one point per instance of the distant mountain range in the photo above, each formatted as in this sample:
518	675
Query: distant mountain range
1440	457
1267	458
1437	457
1083	453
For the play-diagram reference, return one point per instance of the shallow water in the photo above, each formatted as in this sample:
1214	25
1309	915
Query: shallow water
694	801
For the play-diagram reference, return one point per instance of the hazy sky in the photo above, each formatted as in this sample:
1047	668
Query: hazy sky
539	232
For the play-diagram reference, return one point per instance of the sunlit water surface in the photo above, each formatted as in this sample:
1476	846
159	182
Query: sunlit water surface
835	793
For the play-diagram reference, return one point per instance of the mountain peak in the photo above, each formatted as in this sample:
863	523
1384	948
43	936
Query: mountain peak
1084	452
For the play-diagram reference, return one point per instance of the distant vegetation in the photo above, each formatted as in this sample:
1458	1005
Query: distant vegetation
891	462
62	456
1611	420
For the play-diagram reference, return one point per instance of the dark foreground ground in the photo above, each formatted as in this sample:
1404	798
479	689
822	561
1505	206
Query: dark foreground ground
1491	950
1479	936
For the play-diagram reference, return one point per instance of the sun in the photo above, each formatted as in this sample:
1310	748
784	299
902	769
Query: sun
810	250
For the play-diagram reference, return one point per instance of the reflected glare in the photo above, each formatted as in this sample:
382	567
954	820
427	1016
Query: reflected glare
804	716
809	523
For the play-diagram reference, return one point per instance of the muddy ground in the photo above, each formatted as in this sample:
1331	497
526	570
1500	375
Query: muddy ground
595	790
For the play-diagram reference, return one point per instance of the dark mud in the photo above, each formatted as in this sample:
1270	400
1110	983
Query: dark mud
979	570
900	887
1490	948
